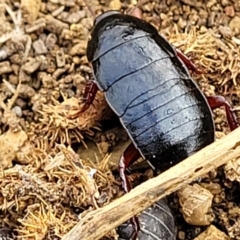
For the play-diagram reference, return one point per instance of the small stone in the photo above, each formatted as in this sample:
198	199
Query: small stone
212	233
236	5
78	49
21	103
232	170
5	67
195	203
60	58
10	143
56	12
24	77
214	188
181	235
76	60
39	47
26	91
229	10
52	6
115	5
31	66
15	68
75	17
57	73
225	31
78	79
234	24
51	40
54	25
224	3
13	79
39	24
46	80
17	110
68	79
192	3
211	19
163	16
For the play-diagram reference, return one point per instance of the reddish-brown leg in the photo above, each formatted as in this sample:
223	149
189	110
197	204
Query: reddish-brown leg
190	65
130	155
219	101
89	95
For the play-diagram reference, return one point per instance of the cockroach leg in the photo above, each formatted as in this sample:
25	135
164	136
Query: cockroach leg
219	101
88	98
189	64
130	155
89	95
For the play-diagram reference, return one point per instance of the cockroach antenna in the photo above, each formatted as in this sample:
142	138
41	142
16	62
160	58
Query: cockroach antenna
90	9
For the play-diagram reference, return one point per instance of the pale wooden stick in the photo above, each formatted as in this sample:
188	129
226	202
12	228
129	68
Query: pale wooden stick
98	222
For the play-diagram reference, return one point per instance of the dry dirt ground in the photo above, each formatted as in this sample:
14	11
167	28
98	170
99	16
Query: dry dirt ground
54	167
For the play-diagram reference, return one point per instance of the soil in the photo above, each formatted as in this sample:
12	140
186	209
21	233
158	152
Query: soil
57	163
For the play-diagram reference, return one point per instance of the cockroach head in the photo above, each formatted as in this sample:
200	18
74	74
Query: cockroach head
105	15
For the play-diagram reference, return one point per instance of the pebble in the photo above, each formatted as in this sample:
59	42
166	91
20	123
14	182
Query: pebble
212	233
54	25
31	66
229	10
39	47
13	79
60	58
211	19
5	67
211	3
225	3
51	40
18	111
26	91
75	17
225	31
192	3
78	49
195	202
56	12
115	5
234	24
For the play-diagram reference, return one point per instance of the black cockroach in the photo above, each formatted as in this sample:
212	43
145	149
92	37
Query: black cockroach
146	82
